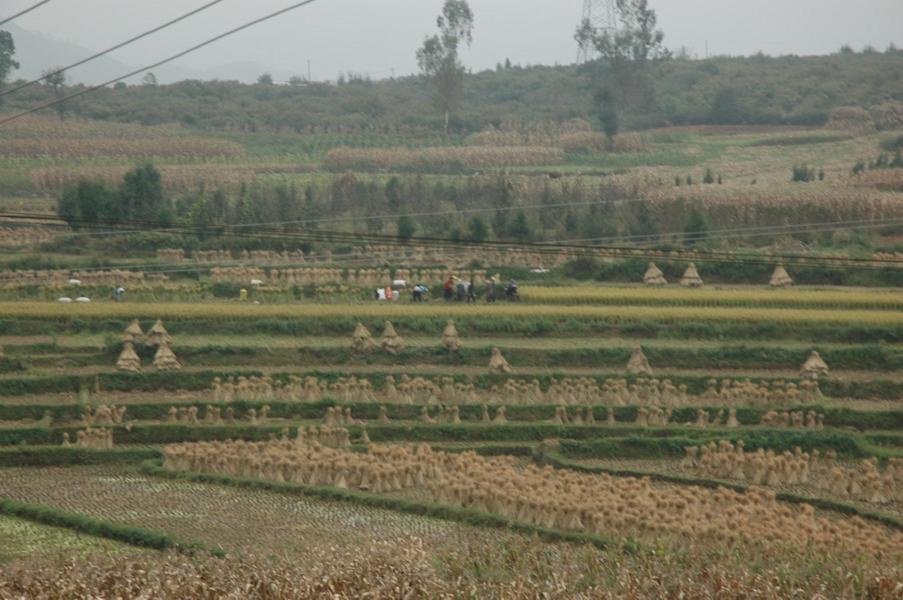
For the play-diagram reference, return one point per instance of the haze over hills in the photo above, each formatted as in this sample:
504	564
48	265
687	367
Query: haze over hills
36	53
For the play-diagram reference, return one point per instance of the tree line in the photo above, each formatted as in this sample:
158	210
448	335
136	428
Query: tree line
633	83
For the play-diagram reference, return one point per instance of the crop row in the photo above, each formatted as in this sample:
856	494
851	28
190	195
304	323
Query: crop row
477	353
468	325
474	157
157	381
717	297
231	312
136	148
234	519
844	443
537	414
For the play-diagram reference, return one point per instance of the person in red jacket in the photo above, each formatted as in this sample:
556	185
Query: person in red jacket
449	288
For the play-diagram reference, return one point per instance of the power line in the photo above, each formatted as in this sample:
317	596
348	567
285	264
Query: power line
358	238
112	49
159	63
26	11
537	248
726	234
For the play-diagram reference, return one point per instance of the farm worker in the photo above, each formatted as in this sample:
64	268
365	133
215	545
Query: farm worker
460	291
449	288
243	295
471	292
381	294
117	293
388	292
420	291
395	295
490	289
511	290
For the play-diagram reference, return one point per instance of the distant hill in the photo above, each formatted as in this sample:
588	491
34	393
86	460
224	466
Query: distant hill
36	52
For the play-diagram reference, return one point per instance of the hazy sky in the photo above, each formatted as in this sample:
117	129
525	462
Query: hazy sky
376	36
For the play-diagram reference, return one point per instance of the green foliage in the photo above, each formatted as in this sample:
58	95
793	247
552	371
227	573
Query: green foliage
7	51
723	355
134	536
893	144
803	174
785	90
607	113
139	200
697	228
406	227
478	230
41	456
519	227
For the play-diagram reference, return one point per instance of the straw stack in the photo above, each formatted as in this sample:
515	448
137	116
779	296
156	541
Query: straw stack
362	340
133	333
638	363
128	359
497	363
165	359
780	277
814	367
391	342
158	336
450	338
691	277
654	276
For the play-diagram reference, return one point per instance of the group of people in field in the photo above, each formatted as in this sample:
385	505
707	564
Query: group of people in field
454	289
459	290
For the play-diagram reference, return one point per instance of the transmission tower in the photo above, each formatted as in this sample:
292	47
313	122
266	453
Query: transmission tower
603	16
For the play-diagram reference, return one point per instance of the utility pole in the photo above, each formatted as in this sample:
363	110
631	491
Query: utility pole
603	16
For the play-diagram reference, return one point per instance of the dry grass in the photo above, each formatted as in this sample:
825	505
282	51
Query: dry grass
175	177
487	570
48	137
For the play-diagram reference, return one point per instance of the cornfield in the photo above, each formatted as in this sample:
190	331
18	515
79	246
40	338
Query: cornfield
183	147
43	137
569	141
226	312
472	157
175	177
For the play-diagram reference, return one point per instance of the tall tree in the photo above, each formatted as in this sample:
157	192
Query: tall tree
141	196
7	51
630	50
607	113
55	79
439	58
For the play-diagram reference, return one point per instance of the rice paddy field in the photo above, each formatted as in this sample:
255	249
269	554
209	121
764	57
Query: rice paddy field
259	425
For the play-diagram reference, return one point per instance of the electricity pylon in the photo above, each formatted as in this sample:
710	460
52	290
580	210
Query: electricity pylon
602	15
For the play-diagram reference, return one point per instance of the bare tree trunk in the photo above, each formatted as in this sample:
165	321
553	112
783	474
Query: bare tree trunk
446	121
